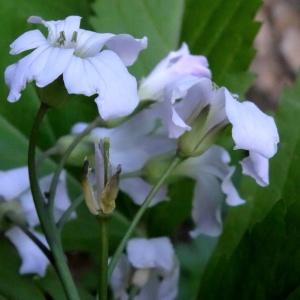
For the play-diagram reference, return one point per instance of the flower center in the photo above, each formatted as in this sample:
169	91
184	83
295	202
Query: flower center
63	42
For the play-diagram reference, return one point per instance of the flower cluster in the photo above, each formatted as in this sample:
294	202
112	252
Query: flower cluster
186	115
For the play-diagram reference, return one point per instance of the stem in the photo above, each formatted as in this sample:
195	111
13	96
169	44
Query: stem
46	220
139	215
103	221
98	121
67	214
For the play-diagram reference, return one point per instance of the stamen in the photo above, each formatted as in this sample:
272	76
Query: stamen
74	37
62	38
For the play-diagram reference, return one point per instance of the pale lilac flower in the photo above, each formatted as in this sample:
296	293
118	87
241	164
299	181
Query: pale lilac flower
212	174
177	64
90	63
151	266
252	130
15	188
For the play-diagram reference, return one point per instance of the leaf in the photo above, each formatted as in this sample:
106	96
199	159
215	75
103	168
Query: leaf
241	220
159	20
223	31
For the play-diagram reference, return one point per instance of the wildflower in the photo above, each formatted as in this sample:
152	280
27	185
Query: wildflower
203	110
177	64
150	267
90	63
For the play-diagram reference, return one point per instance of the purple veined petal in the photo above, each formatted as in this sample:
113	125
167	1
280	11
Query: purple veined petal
252	129
55	61
206	211
176	125
256	166
90	43
33	259
138	189
151	289
127	47
117	88
27	41
13	183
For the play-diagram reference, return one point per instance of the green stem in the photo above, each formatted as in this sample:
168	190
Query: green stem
103	279
97	122
67	214
139	215
46	220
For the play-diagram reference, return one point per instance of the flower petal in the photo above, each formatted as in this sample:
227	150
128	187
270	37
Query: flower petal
232	196
256	166
252	129
138	189
27	41
80	77
151	253
33	259
118	89
89	43
206	210
50	65
13	183
127	47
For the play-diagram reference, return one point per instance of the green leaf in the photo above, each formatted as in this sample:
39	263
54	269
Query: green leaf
159	20
284	173
223	31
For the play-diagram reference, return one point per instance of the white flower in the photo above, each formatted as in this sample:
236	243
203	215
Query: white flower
151	266
15	187
177	64
132	144
213	174
90	63
252	130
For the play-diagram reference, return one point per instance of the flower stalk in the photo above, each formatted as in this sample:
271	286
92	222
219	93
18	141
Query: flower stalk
45	216
140	213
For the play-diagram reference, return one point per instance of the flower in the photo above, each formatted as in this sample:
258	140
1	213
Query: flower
212	174
177	64
151	267
15	188
132	144
90	63
204	109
